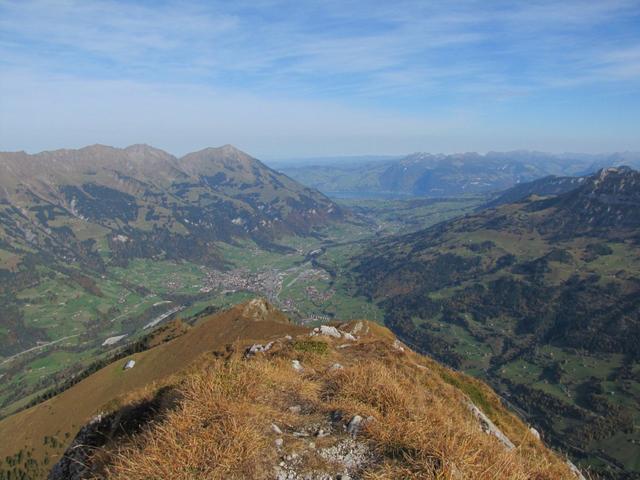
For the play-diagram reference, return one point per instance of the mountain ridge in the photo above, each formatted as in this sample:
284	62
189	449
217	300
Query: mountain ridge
320	421
73	213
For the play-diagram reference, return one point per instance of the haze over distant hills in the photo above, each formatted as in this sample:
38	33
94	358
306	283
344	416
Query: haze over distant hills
447	175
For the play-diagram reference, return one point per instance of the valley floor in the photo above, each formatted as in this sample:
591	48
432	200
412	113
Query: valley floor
309	283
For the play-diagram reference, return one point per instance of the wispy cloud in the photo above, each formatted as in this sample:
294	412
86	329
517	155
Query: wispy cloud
283	39
407	59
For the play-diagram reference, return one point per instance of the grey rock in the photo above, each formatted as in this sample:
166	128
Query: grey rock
349	454
489	427
575	470
327	331
355	425
357	328
73	464
258	348
535	433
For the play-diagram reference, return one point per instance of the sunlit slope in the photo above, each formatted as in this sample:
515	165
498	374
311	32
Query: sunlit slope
67	412
345	402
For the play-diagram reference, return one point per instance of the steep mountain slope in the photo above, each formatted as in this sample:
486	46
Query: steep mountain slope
61	416
142	201
431	175
345	402
539	297
608	206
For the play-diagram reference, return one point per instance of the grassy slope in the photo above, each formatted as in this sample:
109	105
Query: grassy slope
67	412
422	427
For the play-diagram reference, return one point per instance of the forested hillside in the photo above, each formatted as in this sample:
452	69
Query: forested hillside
541	298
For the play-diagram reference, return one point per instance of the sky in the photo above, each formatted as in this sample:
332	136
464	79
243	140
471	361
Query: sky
283	79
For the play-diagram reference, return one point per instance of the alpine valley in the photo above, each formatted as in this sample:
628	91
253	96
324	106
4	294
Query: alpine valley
100	244
288	333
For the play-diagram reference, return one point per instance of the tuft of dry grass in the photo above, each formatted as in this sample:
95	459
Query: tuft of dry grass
421	427
422	430
216	431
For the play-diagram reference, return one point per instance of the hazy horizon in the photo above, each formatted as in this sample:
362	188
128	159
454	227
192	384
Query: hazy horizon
373	156
311	79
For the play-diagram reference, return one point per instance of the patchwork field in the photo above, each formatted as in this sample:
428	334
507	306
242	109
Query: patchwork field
82	318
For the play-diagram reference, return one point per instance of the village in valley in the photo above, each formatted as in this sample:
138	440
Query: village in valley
275	285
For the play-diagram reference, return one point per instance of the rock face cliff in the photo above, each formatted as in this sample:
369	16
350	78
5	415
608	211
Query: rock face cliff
341	401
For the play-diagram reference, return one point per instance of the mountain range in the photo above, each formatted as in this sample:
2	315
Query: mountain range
142	201
447	175
67	216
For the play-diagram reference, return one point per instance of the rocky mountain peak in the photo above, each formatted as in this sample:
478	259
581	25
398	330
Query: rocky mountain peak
260	309
144	149
616	178
231	149
606	204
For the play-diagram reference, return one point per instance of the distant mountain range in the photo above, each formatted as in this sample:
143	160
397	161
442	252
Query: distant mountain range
439	175
541	297
543	187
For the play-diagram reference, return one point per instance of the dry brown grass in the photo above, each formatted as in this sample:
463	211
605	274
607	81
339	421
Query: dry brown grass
207	436
63	415
422	428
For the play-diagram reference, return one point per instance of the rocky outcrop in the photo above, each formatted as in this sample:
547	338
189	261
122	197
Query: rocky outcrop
74	464
77	464
489	427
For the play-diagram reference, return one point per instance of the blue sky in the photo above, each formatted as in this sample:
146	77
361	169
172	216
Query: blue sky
307	78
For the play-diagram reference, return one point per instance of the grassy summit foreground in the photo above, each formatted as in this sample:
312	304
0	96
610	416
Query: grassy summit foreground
340	402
